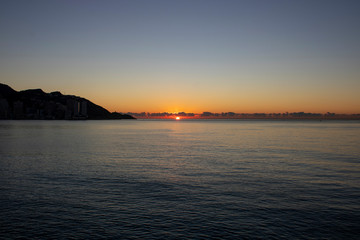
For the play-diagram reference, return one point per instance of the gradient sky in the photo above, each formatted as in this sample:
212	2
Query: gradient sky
192	56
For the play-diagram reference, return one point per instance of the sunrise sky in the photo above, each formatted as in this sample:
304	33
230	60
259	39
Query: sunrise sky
192	56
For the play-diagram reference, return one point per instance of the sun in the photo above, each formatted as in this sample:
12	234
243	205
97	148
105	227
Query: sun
177	118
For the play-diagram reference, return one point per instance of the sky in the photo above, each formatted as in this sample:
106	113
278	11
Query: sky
242	56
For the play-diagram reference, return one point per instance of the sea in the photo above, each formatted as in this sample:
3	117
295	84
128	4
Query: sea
167	179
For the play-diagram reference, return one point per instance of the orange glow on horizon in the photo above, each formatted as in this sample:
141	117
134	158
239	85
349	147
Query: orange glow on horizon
263	102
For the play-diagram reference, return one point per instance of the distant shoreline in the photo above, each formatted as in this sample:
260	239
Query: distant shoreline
323	118
248	116
190	120
248	119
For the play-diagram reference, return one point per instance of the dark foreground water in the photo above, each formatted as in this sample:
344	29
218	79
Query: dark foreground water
179	180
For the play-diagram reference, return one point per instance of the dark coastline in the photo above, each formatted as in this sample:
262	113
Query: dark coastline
35	104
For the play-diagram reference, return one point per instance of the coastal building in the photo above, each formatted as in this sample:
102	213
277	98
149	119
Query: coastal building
69	109
4	109
18	110
83	109
76	108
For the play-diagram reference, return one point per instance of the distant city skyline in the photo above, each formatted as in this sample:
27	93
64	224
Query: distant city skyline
187	56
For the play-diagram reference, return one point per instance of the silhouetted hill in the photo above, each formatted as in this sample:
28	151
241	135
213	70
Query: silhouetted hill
7	92
36	104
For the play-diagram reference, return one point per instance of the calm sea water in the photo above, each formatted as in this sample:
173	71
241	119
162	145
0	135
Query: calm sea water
179	179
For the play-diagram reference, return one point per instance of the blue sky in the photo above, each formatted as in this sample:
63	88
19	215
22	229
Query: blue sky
242	56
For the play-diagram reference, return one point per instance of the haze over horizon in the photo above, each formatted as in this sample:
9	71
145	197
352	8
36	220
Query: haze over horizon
187	56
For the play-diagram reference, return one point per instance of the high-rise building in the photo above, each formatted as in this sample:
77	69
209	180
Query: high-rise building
4	109
83	109
18	110
76	108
